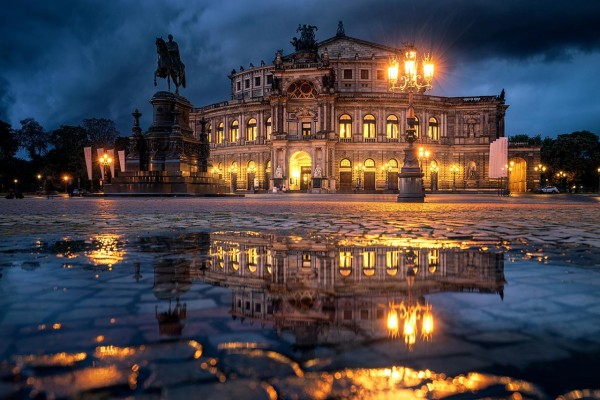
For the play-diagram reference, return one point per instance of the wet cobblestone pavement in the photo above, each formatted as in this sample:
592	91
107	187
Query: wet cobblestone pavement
255	297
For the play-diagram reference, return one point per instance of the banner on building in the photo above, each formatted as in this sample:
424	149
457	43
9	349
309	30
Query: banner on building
100	154
122	160
87	151
111	154
498	158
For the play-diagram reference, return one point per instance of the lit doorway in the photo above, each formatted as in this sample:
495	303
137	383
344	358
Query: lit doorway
517	180
300	167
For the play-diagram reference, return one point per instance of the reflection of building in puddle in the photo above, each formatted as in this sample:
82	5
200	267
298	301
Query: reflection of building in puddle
330	294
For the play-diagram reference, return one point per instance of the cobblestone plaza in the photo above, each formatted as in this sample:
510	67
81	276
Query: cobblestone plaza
146	297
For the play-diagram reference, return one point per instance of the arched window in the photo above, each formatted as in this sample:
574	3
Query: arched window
302	90
234	130
220	133
369	127
369	163
345	127
391	127
209	133
417	129
345	163
251	130
268	129
434	129
393	164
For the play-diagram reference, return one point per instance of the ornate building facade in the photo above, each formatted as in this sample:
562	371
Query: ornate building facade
323	119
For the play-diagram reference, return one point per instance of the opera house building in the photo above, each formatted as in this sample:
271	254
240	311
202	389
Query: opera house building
323	120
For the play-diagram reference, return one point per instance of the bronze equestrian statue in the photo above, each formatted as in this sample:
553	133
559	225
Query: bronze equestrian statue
169	63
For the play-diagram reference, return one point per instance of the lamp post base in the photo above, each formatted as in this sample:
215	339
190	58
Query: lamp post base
410	187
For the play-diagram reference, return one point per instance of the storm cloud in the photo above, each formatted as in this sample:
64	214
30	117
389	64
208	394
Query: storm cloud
66	60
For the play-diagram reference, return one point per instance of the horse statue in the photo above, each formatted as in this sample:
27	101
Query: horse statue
169	64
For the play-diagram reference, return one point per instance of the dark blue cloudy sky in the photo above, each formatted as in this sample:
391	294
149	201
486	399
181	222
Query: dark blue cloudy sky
65	60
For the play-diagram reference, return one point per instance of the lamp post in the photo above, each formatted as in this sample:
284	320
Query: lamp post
454	169
386	169
410	177
509	168
66	179
251	172
434	176
561	179
541	169
39	179
598	180
232	172
106	161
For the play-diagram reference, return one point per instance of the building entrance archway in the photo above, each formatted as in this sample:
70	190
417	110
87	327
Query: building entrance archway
517	180
300	171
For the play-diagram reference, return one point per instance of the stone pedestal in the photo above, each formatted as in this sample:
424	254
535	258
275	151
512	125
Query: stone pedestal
168	159
410	179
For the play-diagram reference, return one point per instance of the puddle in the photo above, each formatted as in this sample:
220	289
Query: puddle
254	315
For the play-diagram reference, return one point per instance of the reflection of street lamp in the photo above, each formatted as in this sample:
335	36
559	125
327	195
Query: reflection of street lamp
454	170
541	169
411	177
359	170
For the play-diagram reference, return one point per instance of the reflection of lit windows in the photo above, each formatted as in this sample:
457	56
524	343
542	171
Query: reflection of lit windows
391	262
252	259
368	258
433	260
305	260
345	263
234	258
269	262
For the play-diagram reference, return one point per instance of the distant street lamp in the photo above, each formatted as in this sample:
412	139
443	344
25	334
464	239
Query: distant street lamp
232	173
509	168
66	179
411	176
598	180
454	169
541	169
39	178
106	161
561	180
434	176
385	170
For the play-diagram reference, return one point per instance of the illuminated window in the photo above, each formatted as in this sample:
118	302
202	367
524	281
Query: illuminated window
368	259
345	164
391	262
345	127
234	131
220	133
369	163
251	130
306	130
391	127
417	131
369	127
268	129
209	133
434	129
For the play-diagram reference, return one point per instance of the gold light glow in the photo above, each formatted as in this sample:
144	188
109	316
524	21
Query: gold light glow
393	71
410	314
392	323
107	250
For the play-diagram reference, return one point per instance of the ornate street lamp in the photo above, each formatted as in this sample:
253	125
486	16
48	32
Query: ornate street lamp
541	169
410	177
434	176
509	168
454	169
105	160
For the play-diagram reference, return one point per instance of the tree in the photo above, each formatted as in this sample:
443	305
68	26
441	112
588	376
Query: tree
524	138
67	156
8	148
33	138
101	132
577	154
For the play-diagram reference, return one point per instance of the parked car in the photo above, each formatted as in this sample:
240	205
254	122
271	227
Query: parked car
549	189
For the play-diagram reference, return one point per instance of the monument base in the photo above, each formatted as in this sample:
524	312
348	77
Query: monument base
165	183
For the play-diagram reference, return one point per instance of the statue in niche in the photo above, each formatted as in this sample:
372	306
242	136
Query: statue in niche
278	172
318	172
471	170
